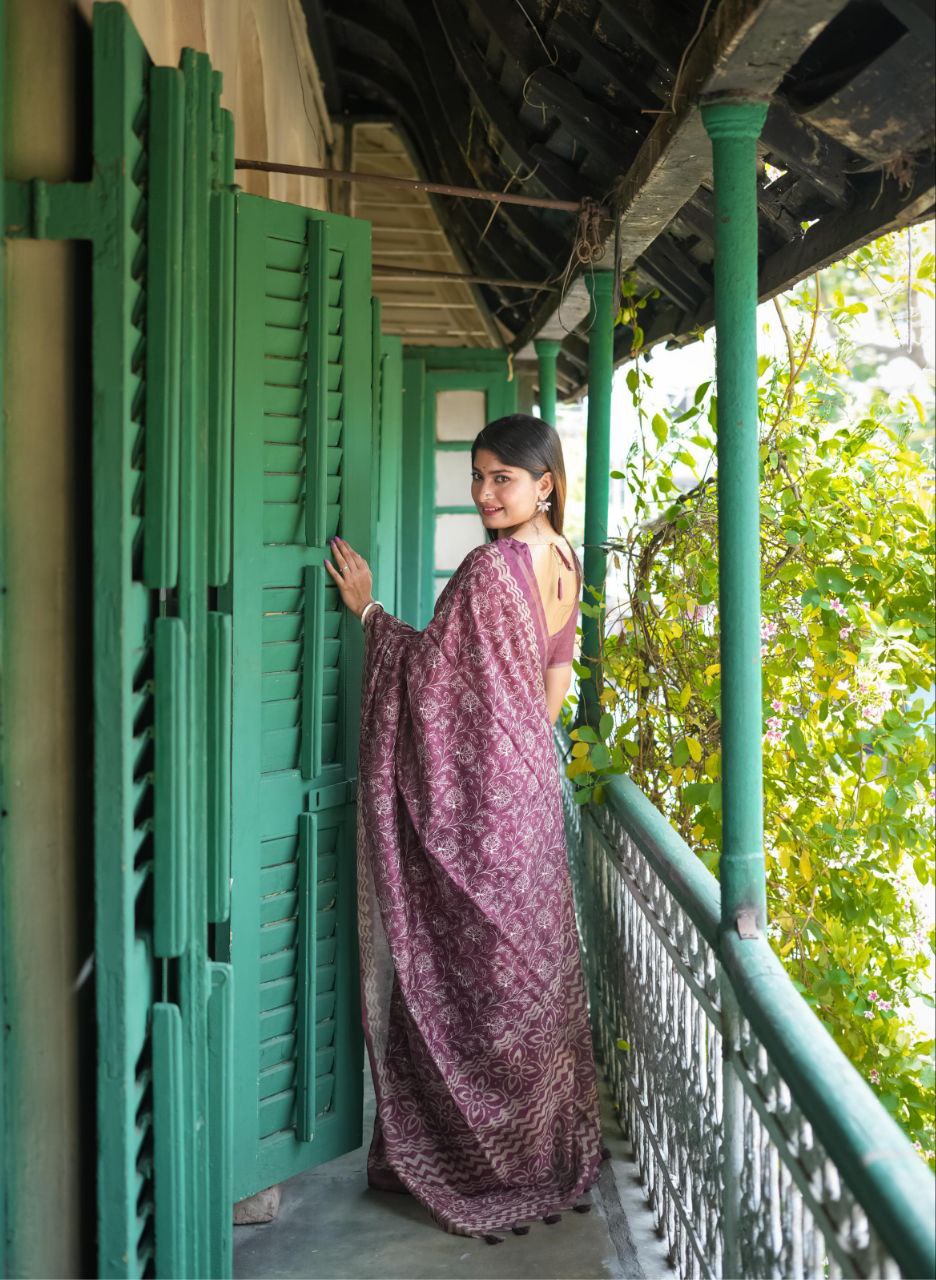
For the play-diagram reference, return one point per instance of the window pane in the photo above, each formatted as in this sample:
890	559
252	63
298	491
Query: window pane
460	415
439	584
453	478
454	538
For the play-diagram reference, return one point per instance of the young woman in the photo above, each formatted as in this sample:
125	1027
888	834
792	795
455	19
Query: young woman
473	997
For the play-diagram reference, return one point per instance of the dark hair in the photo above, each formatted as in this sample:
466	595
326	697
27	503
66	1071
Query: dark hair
520	440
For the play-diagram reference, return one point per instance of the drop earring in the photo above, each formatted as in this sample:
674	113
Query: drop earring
543	504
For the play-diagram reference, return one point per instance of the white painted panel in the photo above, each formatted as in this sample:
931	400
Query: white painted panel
460	415
452	477
454	538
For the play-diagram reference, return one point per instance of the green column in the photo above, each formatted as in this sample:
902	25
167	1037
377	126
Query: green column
547	350
597	467
734	126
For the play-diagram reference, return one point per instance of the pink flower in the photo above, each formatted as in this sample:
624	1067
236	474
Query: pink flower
776	705
873	996
885	1004
837	607
874	1075
869	1013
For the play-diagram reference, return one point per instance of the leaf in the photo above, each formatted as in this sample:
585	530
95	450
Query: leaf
586	734
700	392
632	380
805	865
601	756
605	725
579	749
695	749
832	580
660	428
623	1045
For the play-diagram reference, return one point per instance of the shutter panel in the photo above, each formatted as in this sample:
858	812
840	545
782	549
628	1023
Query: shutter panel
158	152
302	445
124	701
390	471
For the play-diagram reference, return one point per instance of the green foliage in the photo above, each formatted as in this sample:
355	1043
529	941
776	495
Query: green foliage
847	588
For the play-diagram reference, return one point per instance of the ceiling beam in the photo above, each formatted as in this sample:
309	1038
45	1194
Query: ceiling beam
747	46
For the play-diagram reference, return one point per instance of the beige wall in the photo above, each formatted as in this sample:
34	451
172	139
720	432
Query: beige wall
271	84
40	852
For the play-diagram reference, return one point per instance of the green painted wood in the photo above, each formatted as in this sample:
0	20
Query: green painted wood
221	353
380	553
415	461
221	1115
297	658
320	311
597	479
123	614
389	533
547	351
306	1035
169	1140
733	127
192	606
170	783
7	994
219	772
163	278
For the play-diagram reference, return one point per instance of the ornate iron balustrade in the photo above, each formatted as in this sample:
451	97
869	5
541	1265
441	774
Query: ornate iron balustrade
762	1151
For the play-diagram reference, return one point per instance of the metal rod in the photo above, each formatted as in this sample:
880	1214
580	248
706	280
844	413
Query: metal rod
387	271
411	184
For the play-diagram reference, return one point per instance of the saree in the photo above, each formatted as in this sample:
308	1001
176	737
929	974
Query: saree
473	999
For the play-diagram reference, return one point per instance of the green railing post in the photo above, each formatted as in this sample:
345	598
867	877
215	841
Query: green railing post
597	467
734	126
547	352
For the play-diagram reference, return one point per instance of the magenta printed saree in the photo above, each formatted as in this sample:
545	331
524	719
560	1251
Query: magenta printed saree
473	997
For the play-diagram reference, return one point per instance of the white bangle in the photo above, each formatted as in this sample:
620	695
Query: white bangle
366	607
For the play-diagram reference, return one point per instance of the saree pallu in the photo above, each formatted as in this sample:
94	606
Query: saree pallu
473	999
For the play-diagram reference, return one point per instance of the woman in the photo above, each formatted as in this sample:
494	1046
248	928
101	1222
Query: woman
473	999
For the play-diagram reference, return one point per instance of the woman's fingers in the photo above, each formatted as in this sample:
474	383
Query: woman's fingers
347	550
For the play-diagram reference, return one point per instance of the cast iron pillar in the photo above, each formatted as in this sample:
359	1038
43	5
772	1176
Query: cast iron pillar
547	351
733	126
597	467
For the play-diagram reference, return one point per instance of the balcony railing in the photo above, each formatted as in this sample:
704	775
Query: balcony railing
762	1151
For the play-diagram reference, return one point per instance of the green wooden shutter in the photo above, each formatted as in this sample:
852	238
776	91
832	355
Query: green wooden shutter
302	460
159	153
390	471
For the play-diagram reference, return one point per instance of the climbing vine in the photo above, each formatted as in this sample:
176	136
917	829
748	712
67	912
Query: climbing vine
847	644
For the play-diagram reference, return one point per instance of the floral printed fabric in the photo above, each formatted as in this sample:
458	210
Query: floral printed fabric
473	998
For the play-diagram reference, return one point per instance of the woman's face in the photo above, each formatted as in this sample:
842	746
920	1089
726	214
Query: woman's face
505	496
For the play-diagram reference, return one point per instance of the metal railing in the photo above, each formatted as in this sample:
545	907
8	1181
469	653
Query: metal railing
762	1151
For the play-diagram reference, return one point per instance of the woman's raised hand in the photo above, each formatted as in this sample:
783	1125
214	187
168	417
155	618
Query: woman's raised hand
352	576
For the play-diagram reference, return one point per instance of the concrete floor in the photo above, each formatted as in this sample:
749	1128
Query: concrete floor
332	1226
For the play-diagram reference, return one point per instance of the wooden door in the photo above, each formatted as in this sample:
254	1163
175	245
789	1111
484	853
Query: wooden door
302	472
